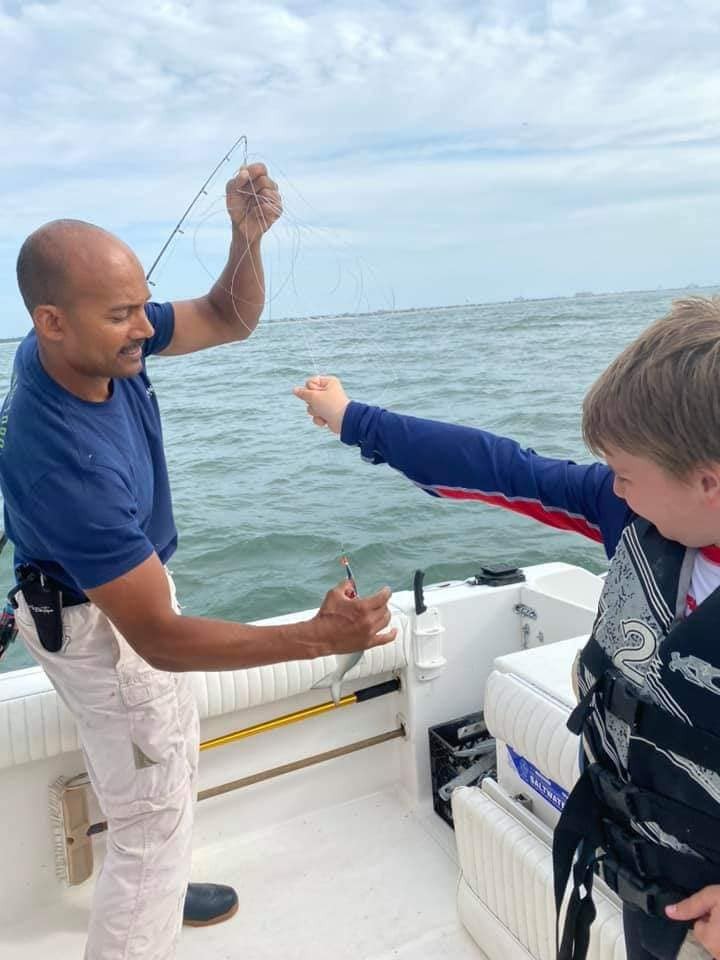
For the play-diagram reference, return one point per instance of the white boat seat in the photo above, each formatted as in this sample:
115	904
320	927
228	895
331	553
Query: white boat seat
528	698
35	724
505	896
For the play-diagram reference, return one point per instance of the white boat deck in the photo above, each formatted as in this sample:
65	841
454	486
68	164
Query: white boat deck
364	880
342	860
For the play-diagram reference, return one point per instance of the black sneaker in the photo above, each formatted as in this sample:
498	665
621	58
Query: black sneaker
208	903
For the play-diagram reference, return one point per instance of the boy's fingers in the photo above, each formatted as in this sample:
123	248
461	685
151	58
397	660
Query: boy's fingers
309	391
695	906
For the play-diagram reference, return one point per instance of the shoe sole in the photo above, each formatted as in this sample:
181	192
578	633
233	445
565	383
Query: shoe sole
209	923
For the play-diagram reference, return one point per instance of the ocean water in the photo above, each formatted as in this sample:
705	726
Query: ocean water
265	503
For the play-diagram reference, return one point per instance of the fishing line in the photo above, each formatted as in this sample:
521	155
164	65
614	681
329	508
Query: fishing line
327	235
290	277
297	228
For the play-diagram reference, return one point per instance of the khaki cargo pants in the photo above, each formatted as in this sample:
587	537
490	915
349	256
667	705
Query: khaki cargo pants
140	734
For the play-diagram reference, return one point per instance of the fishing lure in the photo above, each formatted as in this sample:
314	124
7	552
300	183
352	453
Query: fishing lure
349	574
343	662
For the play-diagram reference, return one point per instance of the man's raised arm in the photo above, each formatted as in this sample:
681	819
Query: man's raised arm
232	308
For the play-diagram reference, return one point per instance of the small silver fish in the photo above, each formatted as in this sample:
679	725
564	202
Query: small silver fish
334	680
346	661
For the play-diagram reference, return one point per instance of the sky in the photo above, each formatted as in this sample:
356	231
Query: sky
427	153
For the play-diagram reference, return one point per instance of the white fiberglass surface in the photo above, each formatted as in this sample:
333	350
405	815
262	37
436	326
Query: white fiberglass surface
364	880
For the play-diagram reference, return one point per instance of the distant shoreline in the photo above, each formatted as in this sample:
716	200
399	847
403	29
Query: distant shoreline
580	295
690	288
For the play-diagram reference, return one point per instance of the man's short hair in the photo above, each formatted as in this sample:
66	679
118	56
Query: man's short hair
42	264
660	399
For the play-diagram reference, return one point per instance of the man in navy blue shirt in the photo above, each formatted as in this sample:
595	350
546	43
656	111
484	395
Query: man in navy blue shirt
88	509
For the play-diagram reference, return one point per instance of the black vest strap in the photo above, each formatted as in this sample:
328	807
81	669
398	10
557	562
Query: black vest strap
654	862
579	831
645	895
693	827
631	866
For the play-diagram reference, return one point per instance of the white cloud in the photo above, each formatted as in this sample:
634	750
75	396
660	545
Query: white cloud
430	136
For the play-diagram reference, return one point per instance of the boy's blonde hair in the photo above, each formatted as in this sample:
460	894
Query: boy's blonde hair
660	399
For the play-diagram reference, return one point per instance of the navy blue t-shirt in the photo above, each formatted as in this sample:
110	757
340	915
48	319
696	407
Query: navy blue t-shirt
85	484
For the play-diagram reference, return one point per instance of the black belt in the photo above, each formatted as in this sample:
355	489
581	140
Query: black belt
68	599
26	574
71	599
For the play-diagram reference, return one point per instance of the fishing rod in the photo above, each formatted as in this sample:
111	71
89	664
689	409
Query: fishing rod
202	191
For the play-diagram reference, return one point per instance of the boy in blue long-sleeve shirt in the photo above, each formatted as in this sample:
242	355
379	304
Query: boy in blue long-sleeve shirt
654	417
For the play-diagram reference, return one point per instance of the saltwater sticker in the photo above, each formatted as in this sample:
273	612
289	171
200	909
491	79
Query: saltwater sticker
547	788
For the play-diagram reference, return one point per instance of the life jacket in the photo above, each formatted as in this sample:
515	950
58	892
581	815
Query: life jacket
645	812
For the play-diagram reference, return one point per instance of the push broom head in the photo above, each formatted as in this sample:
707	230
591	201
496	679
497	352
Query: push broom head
70	823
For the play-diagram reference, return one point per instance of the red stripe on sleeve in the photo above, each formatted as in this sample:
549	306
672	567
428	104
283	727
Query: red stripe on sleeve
528	508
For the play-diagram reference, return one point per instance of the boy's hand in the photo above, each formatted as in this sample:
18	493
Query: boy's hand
326	401
704	908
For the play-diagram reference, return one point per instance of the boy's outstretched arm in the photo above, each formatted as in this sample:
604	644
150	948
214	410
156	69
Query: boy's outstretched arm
464	463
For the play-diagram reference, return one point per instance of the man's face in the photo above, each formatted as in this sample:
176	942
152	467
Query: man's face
104	324
686	511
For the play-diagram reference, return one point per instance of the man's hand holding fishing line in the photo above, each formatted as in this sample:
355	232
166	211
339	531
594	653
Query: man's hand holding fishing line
253	202
231	310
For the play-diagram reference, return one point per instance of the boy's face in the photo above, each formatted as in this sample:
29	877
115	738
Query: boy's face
687	511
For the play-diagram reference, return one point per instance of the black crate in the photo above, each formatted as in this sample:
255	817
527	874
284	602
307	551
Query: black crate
446	740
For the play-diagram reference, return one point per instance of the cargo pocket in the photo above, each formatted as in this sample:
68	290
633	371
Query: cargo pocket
157	738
